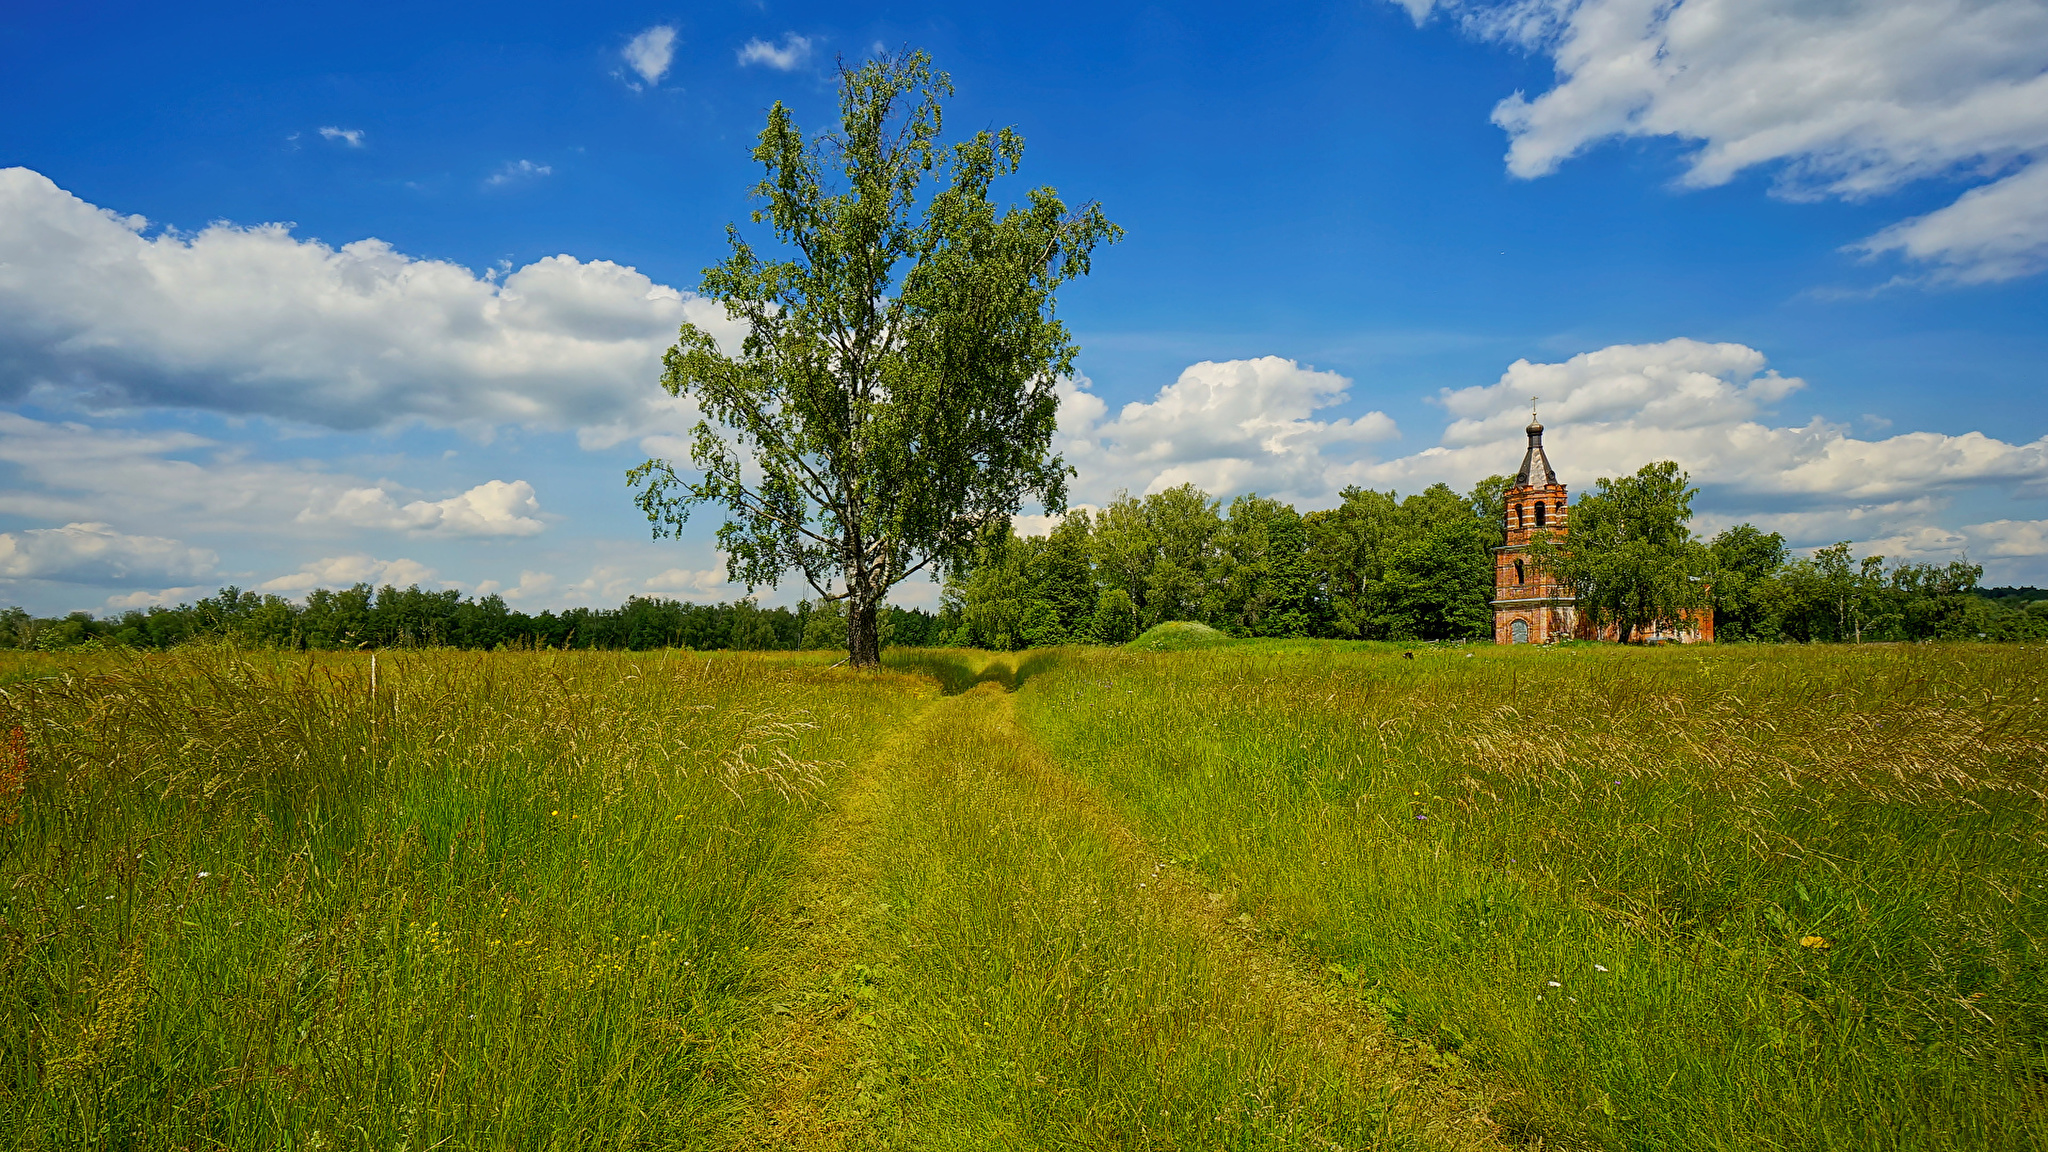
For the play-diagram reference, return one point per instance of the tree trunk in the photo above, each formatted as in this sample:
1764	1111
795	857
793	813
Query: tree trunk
863	631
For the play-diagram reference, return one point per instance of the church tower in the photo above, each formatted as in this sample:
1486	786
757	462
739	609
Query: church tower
1530	606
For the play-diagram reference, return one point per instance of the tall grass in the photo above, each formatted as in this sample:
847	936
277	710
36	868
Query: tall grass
500	901
1677	899
1035	978
1257	896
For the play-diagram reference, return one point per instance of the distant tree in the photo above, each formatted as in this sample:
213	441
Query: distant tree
1437	583
1116	618
1028	592
1630	558
1348	547
1745	558
1384	568
825	625
994	594
1124	549
893	397
1490	507
1160	552
1261	584
1062	579
1848	596
752	629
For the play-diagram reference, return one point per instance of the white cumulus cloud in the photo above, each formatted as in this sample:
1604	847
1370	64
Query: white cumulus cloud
649	53
94	553
494	508
1232	426
344	571
532	586
1846	99
75	471
793	52
353	137
1705	406
687	582
1712	408
145	598
252	321
2008	538
1997	232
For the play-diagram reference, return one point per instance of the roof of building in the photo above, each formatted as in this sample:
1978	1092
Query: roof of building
1535	465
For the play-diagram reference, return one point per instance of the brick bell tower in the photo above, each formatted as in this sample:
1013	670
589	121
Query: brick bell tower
1529	606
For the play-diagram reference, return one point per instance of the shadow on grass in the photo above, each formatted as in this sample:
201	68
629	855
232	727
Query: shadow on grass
958	670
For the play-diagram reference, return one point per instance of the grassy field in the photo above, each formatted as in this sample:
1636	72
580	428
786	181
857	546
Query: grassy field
1678	898
1194	894
502	901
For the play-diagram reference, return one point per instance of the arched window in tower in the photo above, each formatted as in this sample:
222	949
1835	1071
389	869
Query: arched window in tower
1518	632
1520	577
1539	514
1518	515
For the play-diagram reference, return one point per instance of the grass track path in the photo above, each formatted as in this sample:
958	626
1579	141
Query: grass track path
804	1046
982	954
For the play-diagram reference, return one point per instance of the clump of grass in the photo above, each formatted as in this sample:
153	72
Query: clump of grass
505	899
1701	898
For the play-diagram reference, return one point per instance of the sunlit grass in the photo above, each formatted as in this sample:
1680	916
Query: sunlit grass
1701	898
506	901
1033	977
1262	895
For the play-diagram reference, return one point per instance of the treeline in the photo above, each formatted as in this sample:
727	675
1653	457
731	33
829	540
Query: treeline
1376	567
1831	597
366	617
1380	567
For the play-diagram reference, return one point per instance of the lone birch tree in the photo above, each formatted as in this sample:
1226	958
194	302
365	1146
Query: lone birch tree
894	394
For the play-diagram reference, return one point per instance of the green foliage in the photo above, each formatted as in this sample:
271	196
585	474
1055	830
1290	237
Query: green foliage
1745	557
1833	597
1630	557
1414	569
1160	552
1030	591
1178	636
1261	582
825	625
1116	617
1420	568
1377	567
363	617
893	397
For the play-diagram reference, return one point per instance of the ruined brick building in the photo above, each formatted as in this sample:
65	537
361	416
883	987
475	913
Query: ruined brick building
1530	606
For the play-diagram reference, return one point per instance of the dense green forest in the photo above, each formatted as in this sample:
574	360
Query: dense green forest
1376	567
1382	567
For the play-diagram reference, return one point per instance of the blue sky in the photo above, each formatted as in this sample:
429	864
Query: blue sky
402	272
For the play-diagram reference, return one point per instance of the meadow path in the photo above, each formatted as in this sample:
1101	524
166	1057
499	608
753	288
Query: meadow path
980	953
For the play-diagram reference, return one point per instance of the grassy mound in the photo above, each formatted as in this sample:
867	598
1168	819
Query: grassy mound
1178	636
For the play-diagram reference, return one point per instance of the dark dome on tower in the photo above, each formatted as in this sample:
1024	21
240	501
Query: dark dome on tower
1535	465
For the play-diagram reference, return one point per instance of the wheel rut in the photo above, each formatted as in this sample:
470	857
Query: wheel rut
960	923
